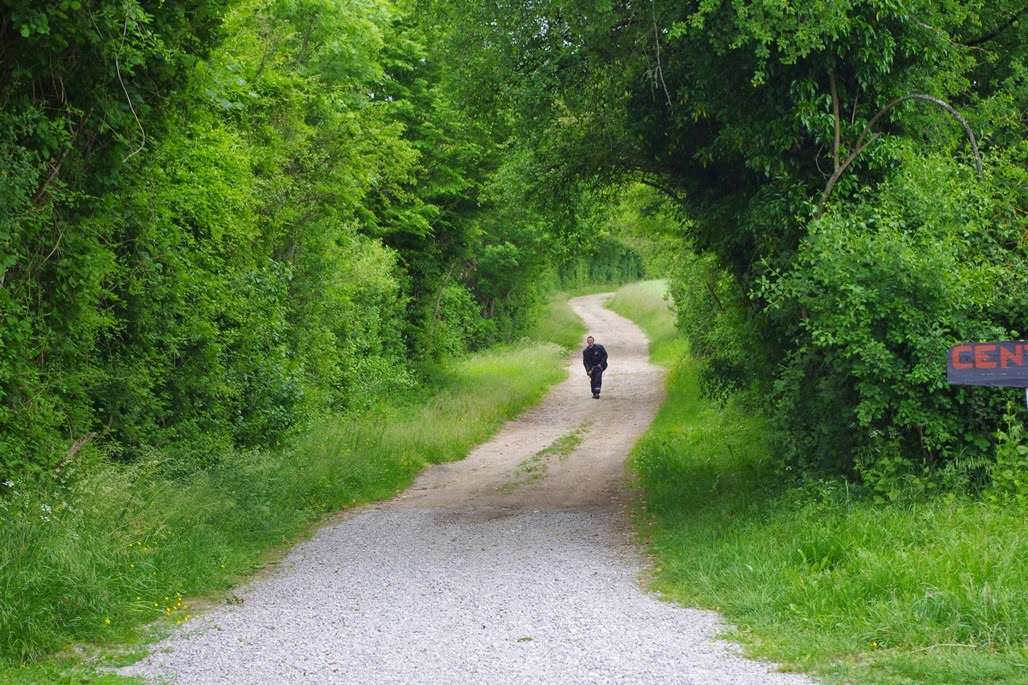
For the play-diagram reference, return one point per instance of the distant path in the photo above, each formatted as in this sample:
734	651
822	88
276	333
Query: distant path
591	479
510	567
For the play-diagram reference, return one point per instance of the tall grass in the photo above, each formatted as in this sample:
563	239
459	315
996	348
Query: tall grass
90	559
647	305
559	324
926	591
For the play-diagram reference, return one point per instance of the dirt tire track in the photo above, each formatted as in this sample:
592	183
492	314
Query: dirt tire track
591	478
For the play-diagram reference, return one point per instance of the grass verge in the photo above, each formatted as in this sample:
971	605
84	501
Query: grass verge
92	559
559	324
816	578
645	304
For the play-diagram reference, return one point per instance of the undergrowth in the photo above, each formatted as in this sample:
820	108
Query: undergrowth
819	577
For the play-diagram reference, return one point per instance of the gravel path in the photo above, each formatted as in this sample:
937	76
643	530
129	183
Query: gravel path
505	568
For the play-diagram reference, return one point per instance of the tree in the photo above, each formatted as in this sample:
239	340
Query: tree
750	115
81	83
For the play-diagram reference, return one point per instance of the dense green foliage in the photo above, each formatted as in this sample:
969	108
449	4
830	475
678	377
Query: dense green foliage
221	218
926	590
77	79
851	175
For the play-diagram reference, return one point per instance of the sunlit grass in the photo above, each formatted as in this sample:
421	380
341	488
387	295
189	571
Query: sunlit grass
933	591
559	324
645	304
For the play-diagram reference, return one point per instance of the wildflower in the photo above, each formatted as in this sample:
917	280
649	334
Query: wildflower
132	565
9	483
46	508
107	621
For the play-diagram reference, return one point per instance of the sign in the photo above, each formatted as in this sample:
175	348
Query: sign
993	363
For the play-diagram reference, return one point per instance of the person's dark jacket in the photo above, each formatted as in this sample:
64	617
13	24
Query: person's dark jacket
594	356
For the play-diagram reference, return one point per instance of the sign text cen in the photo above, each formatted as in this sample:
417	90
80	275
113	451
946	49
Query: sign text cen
993	363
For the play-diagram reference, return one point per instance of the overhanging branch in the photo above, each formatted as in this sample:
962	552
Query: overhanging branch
863	142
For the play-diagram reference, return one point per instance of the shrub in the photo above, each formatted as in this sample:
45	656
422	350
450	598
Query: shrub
879	293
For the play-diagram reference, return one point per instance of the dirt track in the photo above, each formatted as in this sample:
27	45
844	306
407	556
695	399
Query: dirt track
497	478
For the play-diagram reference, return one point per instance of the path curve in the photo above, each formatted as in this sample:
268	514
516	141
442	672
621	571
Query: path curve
486	484
512	566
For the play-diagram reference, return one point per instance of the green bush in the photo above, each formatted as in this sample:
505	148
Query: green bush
51	305
879	292
720	327
1009	472
601	259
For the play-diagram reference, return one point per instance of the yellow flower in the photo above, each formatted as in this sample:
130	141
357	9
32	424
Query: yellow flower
107	621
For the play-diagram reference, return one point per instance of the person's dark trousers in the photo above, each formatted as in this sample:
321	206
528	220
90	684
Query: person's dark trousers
596	379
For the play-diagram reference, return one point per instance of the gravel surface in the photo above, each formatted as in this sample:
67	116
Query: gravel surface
475	575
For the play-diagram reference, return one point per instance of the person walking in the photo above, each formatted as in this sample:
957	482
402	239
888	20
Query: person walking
594	356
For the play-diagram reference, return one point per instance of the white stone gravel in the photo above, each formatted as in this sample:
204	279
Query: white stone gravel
419	597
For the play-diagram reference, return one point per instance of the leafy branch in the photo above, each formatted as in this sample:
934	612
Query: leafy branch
863	142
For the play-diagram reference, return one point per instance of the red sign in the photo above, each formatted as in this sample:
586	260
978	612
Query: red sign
994	363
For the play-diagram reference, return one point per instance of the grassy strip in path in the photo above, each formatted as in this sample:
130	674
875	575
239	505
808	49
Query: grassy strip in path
536	466
91	562
932	591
